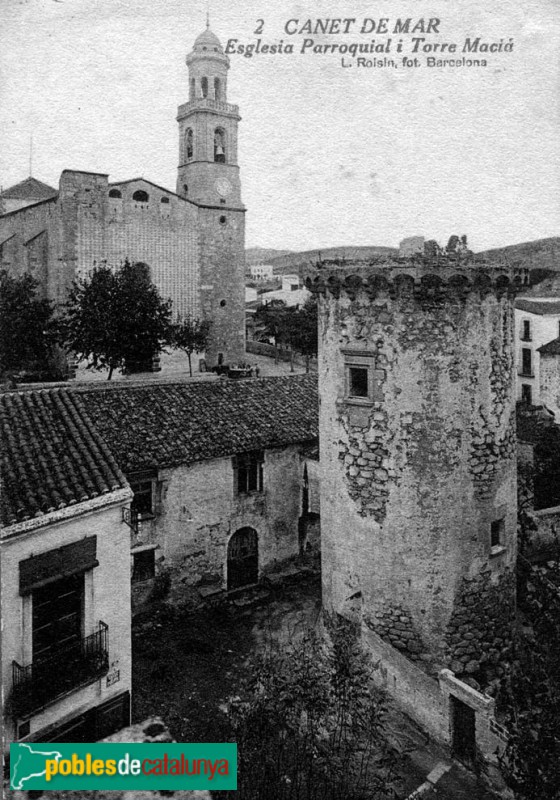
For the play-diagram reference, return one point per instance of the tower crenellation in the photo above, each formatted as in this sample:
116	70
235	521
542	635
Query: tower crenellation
417	427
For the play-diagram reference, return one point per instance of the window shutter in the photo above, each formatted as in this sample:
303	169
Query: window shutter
48	567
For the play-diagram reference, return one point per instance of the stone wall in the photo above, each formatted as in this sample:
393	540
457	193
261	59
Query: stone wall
479	633
222	279
428	699
414	474
64	239
200	510
32	224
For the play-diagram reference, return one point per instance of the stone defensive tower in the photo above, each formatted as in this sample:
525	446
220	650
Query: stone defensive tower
418	466
208	177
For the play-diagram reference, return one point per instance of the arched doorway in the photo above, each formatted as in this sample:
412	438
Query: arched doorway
242	558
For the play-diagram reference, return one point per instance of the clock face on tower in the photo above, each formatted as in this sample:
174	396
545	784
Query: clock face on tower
223	187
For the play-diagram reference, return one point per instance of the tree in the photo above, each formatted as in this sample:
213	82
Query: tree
116	318
530	692
291	326
191	336
269	320
303	334
312	726
26	326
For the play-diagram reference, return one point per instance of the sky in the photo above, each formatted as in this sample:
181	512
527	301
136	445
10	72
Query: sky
330	155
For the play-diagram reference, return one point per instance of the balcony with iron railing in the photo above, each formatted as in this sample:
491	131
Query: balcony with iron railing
42	682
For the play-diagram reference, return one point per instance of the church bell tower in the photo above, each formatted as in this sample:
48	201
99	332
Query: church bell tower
208	177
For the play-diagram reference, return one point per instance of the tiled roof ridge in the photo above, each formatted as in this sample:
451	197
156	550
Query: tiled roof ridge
550	348
159	426
53	457
83	388
15	192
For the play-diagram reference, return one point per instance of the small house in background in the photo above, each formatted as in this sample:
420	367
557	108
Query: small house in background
293	293
537	322
218	470
66	643
261	272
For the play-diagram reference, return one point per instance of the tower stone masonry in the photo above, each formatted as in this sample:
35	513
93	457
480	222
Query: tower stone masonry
417	431
208	176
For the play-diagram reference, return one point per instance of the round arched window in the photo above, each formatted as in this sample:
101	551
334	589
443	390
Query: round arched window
140	196
115	193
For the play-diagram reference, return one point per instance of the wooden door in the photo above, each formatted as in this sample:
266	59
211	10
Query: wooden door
242	559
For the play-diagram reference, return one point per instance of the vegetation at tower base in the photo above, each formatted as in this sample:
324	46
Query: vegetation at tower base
530	692
116	318
191	336
27	333
313	726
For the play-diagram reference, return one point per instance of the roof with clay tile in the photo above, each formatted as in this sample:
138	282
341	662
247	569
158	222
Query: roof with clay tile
150	426
52	457
29	189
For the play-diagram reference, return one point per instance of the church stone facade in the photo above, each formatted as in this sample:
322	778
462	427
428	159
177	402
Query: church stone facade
193	240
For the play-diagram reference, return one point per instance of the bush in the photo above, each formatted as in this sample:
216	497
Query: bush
312	728
161	586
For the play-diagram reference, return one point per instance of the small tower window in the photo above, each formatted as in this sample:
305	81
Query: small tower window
165	199
204	87
362	380
140	196
497	534
185	189
115	193
192	90
189	146
219	146
358	383
217	89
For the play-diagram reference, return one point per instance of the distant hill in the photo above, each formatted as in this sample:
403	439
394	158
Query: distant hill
539	254
294	262
262	255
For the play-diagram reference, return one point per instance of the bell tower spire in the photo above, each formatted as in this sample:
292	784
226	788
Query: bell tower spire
208	170
208	177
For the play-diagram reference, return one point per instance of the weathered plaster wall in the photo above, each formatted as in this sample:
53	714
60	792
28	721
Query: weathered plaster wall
200	510
550	383
113	554
412	481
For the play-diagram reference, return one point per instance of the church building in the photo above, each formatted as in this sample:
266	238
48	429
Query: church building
193	240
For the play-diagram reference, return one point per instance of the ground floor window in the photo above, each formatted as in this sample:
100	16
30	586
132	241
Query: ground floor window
526	393
143	565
